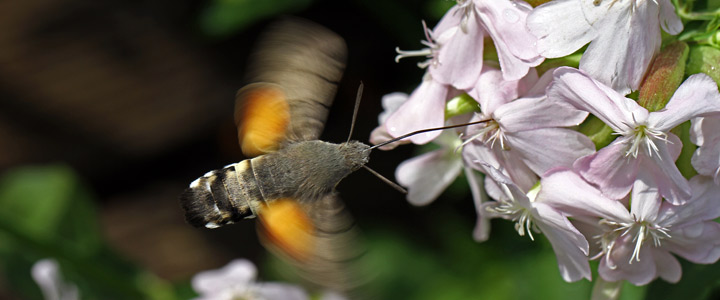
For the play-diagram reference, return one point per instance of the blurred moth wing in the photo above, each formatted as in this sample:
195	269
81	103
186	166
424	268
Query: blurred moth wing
292	76
319	238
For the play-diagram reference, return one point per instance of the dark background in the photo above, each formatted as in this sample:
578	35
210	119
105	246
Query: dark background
137	98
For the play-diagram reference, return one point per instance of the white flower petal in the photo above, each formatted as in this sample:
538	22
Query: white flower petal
482	226
424	109
428	175
696	97
617	266
566	190
609	169
280	291
668	267
515	45
547	148
580	90
646	199
623	50
561	28
705	132
535	113
569	244
669	20
239	272
460	58
700	245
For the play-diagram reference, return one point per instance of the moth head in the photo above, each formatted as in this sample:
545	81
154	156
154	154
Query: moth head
356	154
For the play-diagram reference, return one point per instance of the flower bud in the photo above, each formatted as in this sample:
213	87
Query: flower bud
665	75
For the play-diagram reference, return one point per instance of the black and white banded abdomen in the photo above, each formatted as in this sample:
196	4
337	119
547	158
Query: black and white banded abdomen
223	196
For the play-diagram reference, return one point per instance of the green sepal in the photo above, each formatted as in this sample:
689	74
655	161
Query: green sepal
598	132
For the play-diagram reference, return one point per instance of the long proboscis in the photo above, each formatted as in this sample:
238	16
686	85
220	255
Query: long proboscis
426	130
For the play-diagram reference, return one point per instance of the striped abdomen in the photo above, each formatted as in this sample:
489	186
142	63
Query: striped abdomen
305	171
222	196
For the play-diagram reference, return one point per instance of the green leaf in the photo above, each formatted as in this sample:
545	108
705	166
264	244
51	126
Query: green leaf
704	59
697	282
46	212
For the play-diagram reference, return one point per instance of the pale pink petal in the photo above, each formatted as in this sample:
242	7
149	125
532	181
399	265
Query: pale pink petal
451	19
536	87
673	186
669	20
561	28
703	205
535	113
668	267
428	175
512	192
424	109
491	90
482	226
566	190
546	148
578	89
617	265
380	135
239	272
646	198
705	132
620	57
391	103
510	163
493	189
699	243
515	45
696	97
588	226
460	59
568	243
280	291
609	169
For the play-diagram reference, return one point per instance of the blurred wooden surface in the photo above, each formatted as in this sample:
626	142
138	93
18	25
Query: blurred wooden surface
93	79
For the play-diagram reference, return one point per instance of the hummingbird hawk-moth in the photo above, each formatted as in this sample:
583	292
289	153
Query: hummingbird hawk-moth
290	184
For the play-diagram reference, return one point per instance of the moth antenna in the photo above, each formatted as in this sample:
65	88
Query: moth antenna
388	181
355	110
426	130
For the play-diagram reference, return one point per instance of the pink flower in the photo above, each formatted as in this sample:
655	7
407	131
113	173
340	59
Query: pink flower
705	133
645	147
532	215
525	136
390	102
455	45
237	281
425	108
636	245
46	273
624	36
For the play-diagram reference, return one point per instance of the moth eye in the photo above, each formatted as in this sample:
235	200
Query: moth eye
285	225
262	119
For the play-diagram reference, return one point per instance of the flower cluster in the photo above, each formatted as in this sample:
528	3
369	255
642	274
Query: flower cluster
623	202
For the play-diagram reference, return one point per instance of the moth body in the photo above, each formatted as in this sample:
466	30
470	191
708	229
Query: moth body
305	170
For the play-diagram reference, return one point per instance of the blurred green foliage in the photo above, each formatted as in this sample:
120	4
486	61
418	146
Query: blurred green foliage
46	212
224	17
